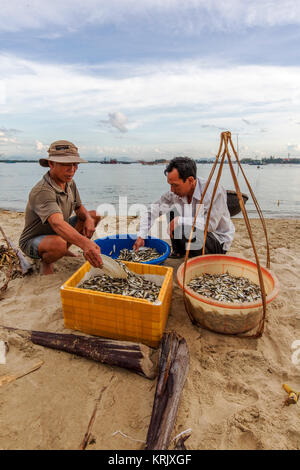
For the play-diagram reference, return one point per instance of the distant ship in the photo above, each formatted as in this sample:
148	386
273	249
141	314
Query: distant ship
146	163
112	161
155	162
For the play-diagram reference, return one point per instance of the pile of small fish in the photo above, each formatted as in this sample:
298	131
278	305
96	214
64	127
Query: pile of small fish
226	288
147	254
134	286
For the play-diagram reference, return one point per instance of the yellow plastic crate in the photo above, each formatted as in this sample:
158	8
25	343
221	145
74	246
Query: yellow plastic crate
118	316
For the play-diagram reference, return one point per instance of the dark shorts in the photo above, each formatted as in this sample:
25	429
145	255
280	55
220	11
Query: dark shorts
181	238
32	246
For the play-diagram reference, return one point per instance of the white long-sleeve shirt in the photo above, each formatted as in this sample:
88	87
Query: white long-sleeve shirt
220	223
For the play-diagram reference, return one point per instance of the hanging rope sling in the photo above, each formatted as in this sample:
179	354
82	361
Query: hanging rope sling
224	152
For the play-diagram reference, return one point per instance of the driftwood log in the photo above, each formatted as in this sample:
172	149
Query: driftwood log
172	373
134	356
180	442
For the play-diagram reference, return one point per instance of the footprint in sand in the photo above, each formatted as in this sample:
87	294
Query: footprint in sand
248	441
294	439
241	430
239	394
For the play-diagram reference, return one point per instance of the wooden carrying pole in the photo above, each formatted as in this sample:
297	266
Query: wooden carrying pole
224	152
172	373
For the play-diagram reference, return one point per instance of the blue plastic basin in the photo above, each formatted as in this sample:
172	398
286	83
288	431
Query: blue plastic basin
115	243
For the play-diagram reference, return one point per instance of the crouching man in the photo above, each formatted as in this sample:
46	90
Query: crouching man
180	206
49	228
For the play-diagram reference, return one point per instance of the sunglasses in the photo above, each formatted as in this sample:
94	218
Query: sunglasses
69	164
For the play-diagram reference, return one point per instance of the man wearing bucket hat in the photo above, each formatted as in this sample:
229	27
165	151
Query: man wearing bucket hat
49	228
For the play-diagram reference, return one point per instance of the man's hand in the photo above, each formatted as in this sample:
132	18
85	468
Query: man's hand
172	226
91	250
88	227
92	253
139	242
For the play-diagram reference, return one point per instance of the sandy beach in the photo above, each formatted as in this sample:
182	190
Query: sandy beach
233	396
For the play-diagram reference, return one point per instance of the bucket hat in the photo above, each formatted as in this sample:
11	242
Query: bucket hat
62	151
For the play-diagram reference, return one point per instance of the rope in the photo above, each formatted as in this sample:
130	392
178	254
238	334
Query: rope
256	205
225	139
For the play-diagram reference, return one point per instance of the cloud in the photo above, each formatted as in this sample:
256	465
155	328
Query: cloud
7	136
249	123
217	89
4	130
246	122
180	17
40	147
117	120
7	139
212	126
50	36
293	147
169	101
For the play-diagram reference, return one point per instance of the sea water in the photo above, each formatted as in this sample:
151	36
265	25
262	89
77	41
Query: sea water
276	186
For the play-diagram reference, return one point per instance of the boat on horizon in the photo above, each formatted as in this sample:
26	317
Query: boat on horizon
112	161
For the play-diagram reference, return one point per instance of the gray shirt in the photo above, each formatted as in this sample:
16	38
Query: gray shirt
47	198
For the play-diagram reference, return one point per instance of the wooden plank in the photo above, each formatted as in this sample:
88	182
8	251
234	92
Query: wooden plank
172	373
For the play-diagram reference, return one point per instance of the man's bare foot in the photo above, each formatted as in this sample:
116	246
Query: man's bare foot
47	268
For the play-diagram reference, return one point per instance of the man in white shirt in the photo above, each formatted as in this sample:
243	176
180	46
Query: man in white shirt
180	205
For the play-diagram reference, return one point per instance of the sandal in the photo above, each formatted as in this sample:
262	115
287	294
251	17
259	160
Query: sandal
175	255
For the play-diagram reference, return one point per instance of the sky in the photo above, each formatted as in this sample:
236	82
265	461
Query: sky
150	79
